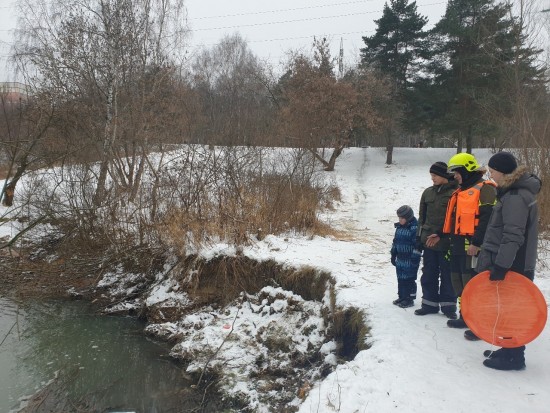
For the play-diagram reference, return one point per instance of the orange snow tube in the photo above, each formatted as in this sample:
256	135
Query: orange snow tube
508	313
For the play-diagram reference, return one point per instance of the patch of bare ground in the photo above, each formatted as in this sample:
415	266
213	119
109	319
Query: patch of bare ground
26	276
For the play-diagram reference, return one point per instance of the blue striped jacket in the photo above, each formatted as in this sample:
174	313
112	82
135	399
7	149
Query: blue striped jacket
403	248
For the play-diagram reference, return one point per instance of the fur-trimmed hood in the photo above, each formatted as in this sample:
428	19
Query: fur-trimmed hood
520	178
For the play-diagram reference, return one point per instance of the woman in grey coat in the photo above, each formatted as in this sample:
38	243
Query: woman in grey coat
510	242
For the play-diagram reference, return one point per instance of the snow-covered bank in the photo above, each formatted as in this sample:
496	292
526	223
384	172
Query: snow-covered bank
415	364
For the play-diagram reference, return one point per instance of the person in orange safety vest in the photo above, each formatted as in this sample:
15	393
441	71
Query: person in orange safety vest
466	219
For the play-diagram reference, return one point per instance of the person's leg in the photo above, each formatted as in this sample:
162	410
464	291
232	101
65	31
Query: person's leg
447	296
429	282
467	274
458	263
414	288
400	294
409	289
507	359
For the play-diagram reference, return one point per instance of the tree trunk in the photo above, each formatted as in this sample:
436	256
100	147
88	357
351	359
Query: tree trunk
7	196
318	157
389	154
459	143
108	139
137	177
469	139
335	154
389	144
9	189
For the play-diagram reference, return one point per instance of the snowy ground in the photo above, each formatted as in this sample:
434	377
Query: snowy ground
415	364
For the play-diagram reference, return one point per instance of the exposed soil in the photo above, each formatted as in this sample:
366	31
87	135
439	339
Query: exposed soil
25	277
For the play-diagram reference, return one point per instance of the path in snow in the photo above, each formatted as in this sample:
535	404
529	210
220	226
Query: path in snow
415	364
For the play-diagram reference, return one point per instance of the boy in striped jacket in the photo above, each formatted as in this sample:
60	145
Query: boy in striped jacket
405	257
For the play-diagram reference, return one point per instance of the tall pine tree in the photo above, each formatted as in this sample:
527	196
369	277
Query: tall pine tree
397	50
477	51
398	44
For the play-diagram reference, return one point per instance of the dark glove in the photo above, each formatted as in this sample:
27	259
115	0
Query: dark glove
393	259
498	273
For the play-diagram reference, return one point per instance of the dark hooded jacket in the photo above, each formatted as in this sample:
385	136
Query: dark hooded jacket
511	237
431	214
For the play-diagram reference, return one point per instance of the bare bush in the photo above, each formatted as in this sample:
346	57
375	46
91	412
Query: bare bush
319	111
188	197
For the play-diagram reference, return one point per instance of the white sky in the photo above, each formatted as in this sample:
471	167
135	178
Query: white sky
7	24
271	28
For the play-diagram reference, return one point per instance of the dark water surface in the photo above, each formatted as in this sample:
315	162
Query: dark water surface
104	361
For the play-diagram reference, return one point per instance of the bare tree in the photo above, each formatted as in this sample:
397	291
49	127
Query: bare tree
102	60
23	127
318	111
231	83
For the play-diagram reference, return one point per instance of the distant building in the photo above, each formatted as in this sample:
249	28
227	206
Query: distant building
13	92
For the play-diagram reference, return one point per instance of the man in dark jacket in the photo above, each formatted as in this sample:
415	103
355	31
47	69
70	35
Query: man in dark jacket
511	238
466	220
437	289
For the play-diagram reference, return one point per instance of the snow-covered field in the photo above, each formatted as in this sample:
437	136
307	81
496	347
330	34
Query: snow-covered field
415	364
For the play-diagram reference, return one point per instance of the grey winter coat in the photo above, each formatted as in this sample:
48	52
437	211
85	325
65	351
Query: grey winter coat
511	238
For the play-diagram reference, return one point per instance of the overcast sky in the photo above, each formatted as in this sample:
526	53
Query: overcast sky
270	28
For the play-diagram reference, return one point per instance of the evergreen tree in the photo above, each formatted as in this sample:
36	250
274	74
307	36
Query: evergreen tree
397	50
398	45
478	47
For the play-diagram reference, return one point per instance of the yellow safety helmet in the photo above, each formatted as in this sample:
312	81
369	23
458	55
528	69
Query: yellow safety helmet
462	160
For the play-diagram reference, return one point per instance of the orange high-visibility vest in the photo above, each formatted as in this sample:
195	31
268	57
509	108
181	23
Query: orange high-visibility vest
464	203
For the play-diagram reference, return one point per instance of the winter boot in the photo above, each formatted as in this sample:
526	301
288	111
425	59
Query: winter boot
424	310
406	303
490	354
396	302
457	323
469	335
505	362
450	315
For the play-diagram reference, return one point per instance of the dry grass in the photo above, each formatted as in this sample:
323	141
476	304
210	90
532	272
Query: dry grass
351	331
270	205
308	282
222	279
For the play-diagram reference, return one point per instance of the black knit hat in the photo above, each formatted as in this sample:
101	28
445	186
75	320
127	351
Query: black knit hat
503	162
406	212
440	169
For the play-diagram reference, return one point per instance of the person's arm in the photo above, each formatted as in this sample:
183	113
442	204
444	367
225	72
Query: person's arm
515	213
417	252
487	200
422	212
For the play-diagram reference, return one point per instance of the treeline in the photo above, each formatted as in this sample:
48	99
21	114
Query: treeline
110	84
